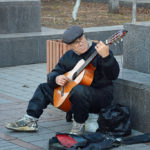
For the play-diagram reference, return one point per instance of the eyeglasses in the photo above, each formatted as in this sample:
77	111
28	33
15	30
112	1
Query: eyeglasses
79	40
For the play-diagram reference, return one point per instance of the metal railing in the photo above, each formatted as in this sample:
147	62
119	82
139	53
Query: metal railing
134	6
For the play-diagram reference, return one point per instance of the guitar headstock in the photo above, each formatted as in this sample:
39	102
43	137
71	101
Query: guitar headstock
118	36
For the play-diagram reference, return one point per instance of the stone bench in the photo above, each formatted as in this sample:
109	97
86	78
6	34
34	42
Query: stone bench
132	89
133	86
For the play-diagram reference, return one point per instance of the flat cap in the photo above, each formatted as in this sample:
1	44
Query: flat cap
72	33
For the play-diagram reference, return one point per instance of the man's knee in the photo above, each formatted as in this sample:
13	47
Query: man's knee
43	85
77	91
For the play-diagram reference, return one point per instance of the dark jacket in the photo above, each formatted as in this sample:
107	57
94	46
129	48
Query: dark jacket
107	69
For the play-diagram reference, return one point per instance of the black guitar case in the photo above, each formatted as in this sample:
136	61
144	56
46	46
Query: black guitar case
93	141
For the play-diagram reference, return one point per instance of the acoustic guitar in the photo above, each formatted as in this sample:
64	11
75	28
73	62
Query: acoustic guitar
82	73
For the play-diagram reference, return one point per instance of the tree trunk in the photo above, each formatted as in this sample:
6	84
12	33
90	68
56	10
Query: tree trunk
113	6
75	10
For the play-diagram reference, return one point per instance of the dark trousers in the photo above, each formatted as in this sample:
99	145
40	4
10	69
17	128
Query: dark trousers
84	100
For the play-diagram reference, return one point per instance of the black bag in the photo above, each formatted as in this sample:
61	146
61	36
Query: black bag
115	121
92	141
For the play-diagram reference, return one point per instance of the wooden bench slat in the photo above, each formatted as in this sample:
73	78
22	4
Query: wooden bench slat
55	49
48	54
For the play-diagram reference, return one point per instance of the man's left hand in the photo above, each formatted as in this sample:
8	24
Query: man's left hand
102	49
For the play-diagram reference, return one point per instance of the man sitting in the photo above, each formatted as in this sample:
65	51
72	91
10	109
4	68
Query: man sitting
84	99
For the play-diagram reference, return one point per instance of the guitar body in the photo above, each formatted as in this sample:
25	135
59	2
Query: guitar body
85	78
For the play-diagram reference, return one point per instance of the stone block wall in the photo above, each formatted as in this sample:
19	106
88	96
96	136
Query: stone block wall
136	47
132	89
29	48
20	16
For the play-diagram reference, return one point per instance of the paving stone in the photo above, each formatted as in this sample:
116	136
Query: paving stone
53	123
34	138
42	143
4	100
13	106
8	145
3	142
64	128
133	147
19	148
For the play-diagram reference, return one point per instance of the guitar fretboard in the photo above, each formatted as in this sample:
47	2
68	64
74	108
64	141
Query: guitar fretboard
84	65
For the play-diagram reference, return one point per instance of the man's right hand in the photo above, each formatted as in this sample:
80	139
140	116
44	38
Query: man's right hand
62	80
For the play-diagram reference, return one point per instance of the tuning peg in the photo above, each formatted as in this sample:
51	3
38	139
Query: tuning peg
106	42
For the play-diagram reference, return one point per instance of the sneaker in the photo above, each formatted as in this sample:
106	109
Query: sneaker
77	128
91	124
26	123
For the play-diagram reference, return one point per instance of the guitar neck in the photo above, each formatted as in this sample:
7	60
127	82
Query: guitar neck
92	56
84	65
88	61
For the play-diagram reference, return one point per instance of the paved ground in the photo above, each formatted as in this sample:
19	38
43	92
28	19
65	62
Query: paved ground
17	85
